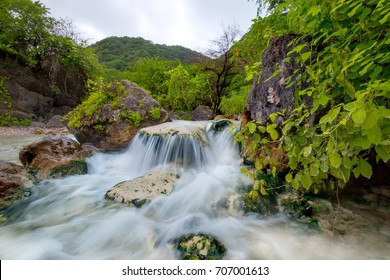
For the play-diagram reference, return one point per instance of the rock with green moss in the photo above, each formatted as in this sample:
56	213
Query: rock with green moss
55	157
200	247
111	117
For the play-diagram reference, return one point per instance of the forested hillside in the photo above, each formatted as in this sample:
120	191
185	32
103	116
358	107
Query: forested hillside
121	52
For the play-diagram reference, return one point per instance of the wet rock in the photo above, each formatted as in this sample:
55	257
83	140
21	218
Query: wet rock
113	127
143	189
55	157
202	113
15	183
221	124
197	130
200	247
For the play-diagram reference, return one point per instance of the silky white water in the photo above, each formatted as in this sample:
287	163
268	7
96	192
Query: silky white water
70	218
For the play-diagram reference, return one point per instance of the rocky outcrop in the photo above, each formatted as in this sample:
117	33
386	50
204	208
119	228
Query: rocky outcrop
40	93
200	247
55	157
112	128
15	183
143	189
202	113
271	94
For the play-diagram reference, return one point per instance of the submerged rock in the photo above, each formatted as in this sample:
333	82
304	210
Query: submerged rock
143	189
15	183
55	157
200	247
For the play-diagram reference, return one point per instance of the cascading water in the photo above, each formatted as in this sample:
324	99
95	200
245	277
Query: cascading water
69	218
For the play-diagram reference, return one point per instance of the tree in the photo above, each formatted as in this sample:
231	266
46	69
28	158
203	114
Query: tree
267	5
24	26
221	66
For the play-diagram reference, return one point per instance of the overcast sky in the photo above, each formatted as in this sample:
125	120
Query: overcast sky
189	23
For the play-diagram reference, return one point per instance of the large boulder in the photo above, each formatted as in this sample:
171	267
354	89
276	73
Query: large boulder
15	183
202	113
55	157
143	189
269	93
113	127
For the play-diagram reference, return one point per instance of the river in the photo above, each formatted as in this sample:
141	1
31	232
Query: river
70	218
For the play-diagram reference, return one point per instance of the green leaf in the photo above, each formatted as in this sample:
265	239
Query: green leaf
359	116
360	141
272	131
365	69
295	183
374	135
332	114
263	191
251	127
324	166
371	120
314	11
314	171
289	178
382	153
347	163
305	56
306	181
353	12
307	151
256	137
335	159
364	168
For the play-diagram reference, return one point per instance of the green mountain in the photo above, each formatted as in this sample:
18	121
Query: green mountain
121	52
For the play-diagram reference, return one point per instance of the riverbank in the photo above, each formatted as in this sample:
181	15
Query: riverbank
25	131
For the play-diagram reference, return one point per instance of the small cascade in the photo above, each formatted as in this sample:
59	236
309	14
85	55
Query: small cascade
70	218
182	145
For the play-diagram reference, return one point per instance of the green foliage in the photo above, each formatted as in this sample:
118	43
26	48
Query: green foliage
347	68
235	102
123	52
134	118
155	113
151	74
25	27
101	93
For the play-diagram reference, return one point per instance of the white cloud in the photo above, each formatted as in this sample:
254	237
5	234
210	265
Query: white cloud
190	23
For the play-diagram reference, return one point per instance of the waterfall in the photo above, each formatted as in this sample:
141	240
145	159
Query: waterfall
69	218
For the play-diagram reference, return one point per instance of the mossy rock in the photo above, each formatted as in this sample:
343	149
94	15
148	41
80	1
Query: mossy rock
75	167
200	247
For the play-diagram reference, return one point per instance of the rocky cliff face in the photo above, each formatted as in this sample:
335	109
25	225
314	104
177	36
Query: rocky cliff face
271	93
40	93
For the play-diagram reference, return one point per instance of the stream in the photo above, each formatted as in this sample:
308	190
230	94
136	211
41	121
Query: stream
70	218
